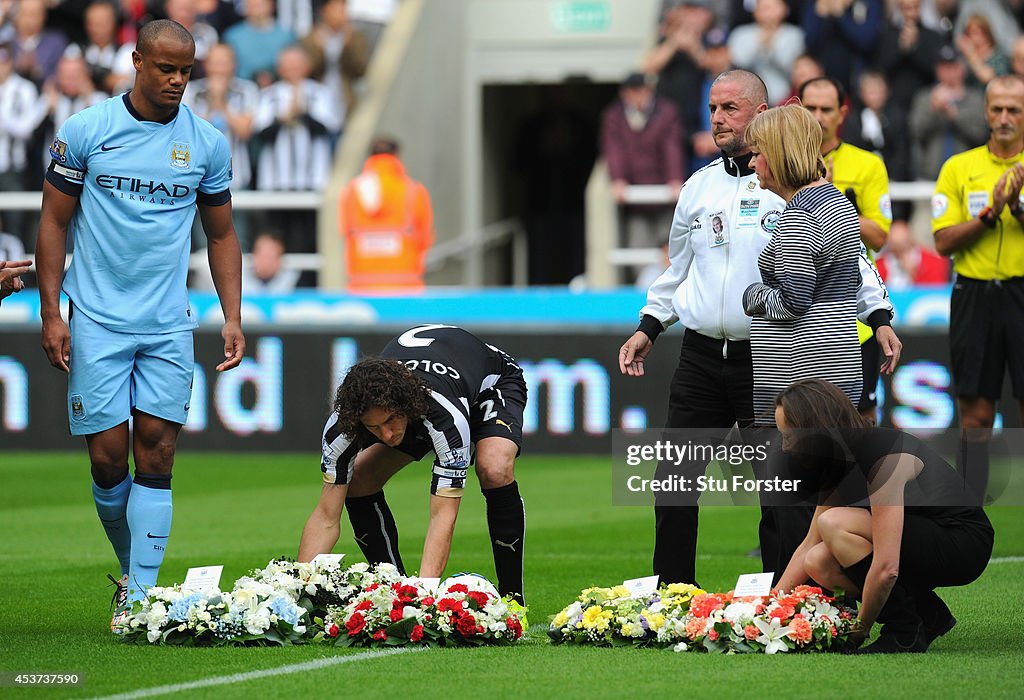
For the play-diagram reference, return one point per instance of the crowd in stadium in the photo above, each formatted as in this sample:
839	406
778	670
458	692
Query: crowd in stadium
910	74
279	78
890	56
768	265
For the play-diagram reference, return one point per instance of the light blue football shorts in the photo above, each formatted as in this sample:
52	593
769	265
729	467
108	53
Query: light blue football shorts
113	374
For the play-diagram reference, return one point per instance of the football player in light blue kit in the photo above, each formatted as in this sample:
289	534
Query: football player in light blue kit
125	178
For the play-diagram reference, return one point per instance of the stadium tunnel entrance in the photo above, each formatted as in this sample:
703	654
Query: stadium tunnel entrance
465	76
540	142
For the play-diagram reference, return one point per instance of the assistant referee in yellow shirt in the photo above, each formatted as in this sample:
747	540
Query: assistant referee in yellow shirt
977	216
860	175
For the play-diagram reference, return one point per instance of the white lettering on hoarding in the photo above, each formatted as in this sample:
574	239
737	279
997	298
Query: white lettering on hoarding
14	380
264	372
560	381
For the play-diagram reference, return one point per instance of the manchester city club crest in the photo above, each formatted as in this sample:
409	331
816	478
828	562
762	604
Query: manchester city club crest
770	221
77	406
181	156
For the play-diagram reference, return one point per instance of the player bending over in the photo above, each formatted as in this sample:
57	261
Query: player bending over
434	388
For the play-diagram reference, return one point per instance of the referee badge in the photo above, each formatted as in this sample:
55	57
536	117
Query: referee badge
976	202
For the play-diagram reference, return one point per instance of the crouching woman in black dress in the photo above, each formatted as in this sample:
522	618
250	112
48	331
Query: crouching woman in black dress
893	520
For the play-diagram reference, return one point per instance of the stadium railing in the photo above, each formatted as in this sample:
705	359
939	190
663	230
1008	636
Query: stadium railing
605	254
506	231
244	200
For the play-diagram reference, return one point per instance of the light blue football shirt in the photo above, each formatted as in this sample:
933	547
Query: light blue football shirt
138	183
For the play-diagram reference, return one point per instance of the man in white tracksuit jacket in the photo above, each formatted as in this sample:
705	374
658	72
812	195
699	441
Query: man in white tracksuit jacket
702	288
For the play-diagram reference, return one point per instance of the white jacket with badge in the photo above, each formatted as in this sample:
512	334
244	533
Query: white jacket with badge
722	222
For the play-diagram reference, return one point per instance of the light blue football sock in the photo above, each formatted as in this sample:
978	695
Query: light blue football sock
149	519
111	506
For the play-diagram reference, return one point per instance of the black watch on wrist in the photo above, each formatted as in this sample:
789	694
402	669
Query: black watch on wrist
987	217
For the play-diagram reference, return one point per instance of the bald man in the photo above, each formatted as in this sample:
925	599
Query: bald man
125	177
710	265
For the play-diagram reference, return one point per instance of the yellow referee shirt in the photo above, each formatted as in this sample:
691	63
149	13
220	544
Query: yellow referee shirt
963	189
863	172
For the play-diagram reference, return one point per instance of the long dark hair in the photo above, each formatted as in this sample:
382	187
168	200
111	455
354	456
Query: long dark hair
826	427
814	404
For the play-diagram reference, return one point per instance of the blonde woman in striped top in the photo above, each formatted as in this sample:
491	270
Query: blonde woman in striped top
804	309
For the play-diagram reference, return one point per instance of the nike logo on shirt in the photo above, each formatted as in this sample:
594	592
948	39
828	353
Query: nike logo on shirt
105	147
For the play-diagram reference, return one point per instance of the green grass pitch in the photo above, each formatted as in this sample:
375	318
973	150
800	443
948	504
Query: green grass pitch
241	510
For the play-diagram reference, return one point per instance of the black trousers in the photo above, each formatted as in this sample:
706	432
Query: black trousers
785	516
712	387
932	554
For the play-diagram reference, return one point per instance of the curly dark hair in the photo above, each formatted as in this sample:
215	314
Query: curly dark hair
376	382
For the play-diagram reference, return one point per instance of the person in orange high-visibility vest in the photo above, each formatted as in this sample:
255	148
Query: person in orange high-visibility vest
387	222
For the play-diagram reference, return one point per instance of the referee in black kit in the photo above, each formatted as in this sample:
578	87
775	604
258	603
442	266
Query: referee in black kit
712	387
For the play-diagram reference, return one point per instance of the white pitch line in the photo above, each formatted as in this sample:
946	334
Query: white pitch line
1006	560
252	675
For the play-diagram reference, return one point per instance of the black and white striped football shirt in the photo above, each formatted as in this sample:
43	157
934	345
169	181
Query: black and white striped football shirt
457	367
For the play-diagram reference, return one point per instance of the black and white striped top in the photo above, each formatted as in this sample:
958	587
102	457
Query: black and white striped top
805	309
50	121
456	367
18	119
242	97
296	154
296	15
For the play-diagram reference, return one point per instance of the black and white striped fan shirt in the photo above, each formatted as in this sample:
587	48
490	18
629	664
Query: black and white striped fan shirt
242	97
19	117
53	121
296	155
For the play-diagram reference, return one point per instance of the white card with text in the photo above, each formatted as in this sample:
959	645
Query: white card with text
202	578
328	561
641	587
754	584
